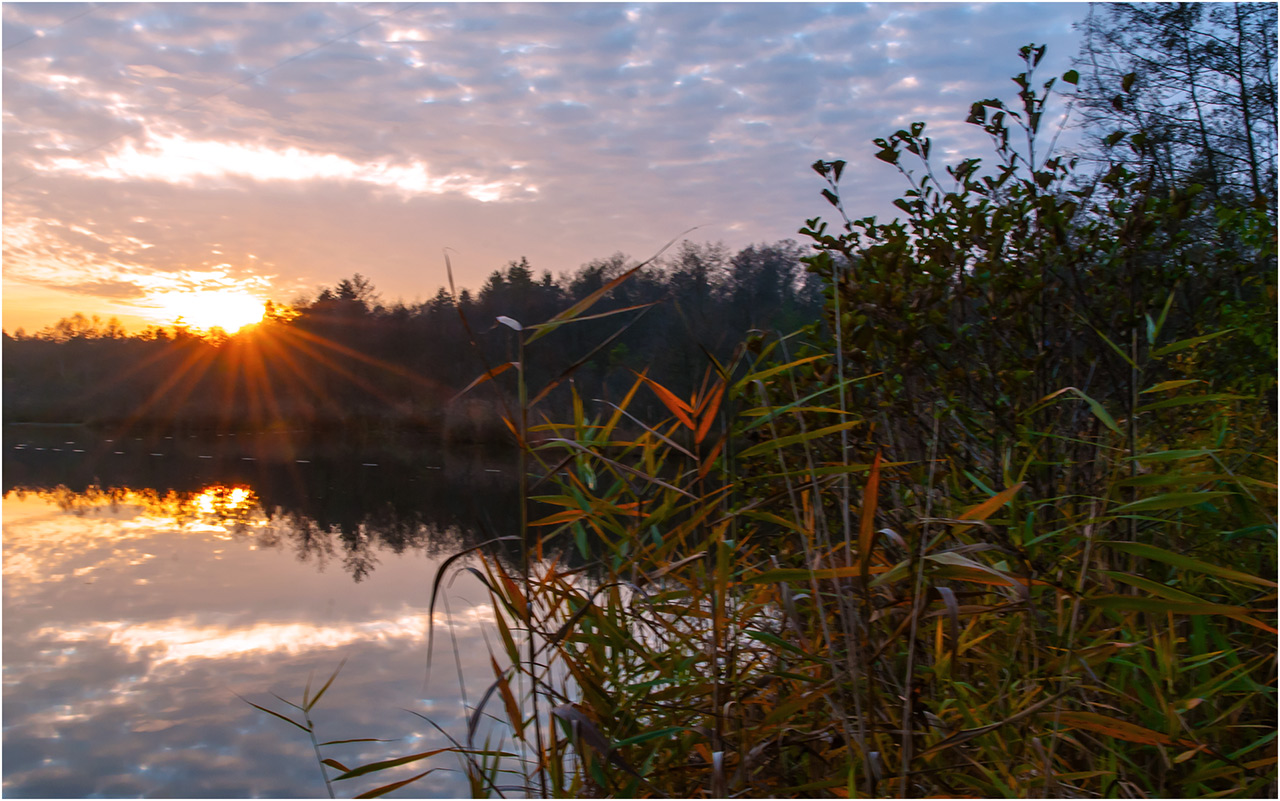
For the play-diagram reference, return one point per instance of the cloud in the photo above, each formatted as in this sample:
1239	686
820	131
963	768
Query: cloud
116	290
171	159
324	139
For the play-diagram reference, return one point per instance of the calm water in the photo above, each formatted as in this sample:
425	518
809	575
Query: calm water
145	587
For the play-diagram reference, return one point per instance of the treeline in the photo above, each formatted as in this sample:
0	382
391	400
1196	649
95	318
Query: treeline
345	359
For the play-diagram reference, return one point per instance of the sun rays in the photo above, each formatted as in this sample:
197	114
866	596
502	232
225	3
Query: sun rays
267	375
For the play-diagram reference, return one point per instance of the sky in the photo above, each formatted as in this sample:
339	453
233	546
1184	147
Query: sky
158	153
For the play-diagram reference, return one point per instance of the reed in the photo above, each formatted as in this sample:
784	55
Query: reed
737	634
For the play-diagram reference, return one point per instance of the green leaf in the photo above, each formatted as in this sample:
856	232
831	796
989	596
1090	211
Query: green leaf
1098	410
801	574
650	735
581	306
1071	76
1183	344
1174	455
773	639
1168	479
1186	562
782	442
1131	603
1119	351
1167	385
277	714
1188	400
1170	500
806	472
977	482
1154	587
773	412
763	374
767	414
393	763
600	316
312	703
356	740
1138	139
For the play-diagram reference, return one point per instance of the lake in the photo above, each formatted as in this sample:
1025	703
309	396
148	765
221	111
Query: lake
150	581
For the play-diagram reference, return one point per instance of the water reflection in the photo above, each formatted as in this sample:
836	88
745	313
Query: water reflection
135	613
341	503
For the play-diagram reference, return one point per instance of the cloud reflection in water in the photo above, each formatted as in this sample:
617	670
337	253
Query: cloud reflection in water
133	618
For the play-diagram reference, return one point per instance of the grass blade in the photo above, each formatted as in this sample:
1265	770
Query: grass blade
1185	562
386	788
374	767
867	524
312	703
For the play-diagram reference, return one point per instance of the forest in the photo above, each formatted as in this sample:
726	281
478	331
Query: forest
345	360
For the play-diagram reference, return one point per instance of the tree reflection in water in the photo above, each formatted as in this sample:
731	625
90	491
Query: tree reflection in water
238	512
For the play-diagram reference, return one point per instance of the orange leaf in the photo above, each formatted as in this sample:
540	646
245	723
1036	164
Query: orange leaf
678	407
1121	730
1257	624
632	509
988	507
514	596
567	516
488	375
508	699
710	460
708	412
514	431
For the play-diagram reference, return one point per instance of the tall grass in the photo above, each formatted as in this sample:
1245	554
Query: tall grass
740	631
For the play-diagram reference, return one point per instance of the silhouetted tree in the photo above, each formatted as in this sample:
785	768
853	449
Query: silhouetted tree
1194	84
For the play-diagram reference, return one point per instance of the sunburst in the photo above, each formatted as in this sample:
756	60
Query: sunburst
202	310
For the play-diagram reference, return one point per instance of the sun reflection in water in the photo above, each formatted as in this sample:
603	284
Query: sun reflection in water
217	509
119	530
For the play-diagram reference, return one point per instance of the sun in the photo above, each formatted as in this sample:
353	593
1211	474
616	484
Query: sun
202	310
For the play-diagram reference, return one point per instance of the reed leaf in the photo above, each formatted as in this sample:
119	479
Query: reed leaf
1185	562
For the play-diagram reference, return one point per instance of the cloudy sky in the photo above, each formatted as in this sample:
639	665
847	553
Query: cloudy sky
154	149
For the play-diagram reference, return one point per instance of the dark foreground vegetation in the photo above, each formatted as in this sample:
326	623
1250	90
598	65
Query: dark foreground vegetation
1004	527
344	360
